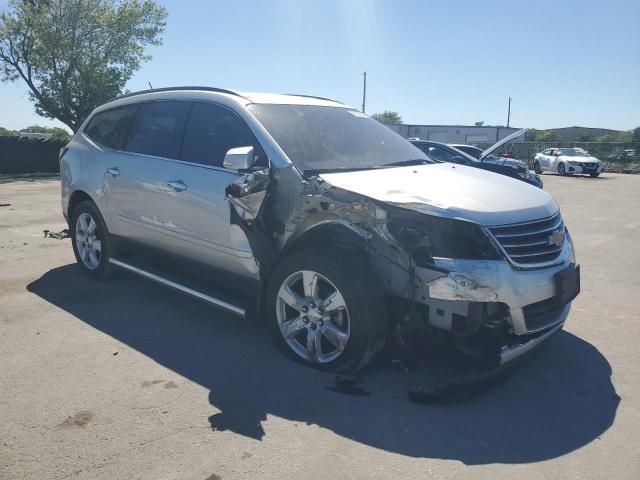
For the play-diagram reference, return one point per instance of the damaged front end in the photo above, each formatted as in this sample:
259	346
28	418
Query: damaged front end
446	281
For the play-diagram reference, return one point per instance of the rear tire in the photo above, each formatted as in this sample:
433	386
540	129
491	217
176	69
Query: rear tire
562	169
324	311
90	239
536	168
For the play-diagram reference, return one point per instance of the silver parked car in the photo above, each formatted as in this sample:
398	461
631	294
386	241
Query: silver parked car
330	226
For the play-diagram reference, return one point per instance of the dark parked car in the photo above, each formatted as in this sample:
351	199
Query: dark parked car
474	157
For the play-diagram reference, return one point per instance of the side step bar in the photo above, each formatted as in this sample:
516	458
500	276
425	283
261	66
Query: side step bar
176	286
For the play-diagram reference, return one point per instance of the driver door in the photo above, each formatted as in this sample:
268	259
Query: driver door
199	218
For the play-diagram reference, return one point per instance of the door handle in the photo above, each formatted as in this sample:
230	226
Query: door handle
114	172
177	185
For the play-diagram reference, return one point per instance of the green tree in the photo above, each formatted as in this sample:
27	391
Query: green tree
7	133
607	138
387	117
546	136
531	135
479	124
625	136
585	137
55	132
75	54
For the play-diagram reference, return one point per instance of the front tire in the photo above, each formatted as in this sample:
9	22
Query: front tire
324	311
537	168
90	240
562	169
594	175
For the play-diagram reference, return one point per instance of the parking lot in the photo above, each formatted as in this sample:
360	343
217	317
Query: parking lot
127	379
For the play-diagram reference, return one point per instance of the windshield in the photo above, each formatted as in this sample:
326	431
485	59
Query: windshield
317	138
573	152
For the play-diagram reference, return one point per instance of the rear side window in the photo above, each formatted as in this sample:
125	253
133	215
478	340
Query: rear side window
157	129
109	128
213	130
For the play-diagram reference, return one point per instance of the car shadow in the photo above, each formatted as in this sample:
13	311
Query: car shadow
558	402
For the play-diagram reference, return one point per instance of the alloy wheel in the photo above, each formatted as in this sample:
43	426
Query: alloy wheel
313	316
88	241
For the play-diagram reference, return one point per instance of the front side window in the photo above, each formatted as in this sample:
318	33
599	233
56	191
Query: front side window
158	128
212	130
318	138
109	128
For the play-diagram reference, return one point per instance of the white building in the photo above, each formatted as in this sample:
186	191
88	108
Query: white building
456	133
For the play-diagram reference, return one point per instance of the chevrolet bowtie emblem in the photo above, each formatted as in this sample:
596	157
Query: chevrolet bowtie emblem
556	238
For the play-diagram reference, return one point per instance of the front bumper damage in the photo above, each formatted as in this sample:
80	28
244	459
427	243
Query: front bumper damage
482	308
491	316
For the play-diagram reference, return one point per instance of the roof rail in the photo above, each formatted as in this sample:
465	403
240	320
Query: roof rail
173	89
313	96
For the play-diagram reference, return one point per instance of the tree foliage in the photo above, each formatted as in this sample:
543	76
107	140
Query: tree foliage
55	132
76	54
541	135
387	117
7	133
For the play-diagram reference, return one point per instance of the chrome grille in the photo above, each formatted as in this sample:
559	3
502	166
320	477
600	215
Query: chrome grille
532	244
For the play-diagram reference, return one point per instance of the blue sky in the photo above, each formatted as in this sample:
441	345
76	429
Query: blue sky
563	62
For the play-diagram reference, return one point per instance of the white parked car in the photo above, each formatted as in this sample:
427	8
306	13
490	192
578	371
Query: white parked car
567	161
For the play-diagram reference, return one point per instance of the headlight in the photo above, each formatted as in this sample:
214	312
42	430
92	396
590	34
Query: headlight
573	162
526	174
426	236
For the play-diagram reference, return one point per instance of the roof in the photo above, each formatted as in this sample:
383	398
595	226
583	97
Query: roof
453	126
250	97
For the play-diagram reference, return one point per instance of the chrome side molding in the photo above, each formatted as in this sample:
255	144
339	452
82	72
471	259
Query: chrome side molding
176	286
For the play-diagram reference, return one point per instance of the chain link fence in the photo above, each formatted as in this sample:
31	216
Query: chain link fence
616	156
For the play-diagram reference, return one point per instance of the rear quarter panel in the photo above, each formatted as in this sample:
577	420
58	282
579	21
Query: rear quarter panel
82	168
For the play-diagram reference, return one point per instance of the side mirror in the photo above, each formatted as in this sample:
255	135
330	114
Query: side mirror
239	158
458	160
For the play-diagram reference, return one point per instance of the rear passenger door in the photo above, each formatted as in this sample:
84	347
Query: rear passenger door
136	181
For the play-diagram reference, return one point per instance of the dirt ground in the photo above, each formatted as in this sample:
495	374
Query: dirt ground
128	380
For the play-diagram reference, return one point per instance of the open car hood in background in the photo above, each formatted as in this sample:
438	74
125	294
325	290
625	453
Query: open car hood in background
507	139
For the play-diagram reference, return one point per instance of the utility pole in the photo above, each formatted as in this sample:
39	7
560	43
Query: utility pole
364	92
509	112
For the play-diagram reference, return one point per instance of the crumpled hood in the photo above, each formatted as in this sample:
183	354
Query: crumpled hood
449	190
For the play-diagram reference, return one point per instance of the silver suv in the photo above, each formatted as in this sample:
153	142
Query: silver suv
325	223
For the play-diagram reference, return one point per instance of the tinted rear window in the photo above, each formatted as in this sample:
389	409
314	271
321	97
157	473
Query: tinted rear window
157	129
109	128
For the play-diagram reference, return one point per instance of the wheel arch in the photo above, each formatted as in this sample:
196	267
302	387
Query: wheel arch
81	195
329	234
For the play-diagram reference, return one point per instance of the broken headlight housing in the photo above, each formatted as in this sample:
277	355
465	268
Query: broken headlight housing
427	236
